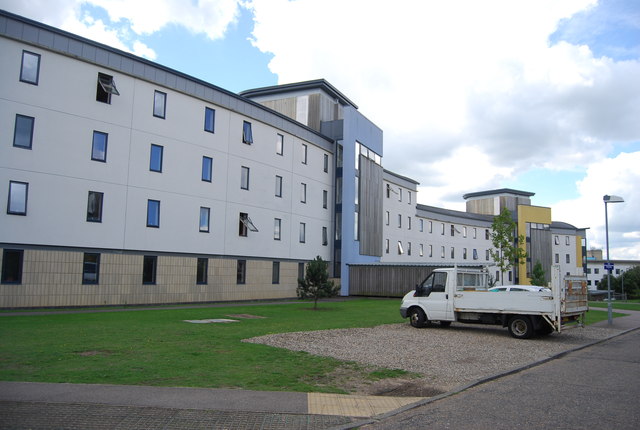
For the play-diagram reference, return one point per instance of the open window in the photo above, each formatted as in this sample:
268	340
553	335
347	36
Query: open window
106	86
245	225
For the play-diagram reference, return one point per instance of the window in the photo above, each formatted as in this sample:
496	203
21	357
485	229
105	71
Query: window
421	250
400	249
409	197
464	253
325	240
275	272
453	230
23	131
300	270
399	220
99	146
326	163
279	144
153	213
399	194
204	219
245	225
304	154
90	268
442	224
12	260
464	231
30	68
596	271
487	254
442	252
247	135
277	228
386	246
430	226
325	199
202	271
475	254
430	250
409	223
244	178
241	272
159	104
556	240
94	206
453	252
105	87
149	269
303	193
557	258
18	194
486	234
475	233
408	248
207	169
421	225
278	186
303	232
566	240
209	120
155	158
386	217
568	258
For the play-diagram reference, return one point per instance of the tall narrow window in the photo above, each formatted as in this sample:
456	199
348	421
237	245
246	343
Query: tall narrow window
430	226
12	260
300	270
159	104
30	68
386	246
453	230
464	253
303	233
204	219
244	178
202	271
209	120
453	252
279	144
155	158
153	213
399	220
99	146
304	153
409	223
421	225
277	228
23	131
149	269
245	224
408	248
421	250
475	254
207	169
91	268
94	206
325	239
105	87
326	163
400	249
278	186
386	217
18	196
303	193
442	224
325	199
442	252
241	272
430	250
247	134
275	272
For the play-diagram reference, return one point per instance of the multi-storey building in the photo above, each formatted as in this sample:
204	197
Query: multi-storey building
596	267
128	182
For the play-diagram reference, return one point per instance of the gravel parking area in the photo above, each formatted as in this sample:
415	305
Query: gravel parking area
445	357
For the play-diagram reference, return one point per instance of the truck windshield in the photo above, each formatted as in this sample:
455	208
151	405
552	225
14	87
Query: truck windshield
435	282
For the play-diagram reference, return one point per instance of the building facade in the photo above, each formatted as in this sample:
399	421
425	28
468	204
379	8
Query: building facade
126	182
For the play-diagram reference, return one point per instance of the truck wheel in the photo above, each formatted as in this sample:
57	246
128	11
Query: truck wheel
520	327
417	318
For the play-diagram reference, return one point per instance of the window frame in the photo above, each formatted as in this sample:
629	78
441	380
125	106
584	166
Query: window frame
303	192
325	236
279	144
149	262
100	203
241	272
209	120
305	153
159	111
326	163
275	273
204	228
245	173
325	199
105	87
207	169
247	133
95	142
6	266
302	234
152	165
32	126
277	229
202	271
11	201
278	186
151	217
24	71
85	280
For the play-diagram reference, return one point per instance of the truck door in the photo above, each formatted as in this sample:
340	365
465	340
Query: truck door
437	304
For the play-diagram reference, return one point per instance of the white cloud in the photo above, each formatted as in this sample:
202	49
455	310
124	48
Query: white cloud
468	93
618	176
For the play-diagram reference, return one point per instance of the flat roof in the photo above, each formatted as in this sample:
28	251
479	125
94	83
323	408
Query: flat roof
498	192
319	84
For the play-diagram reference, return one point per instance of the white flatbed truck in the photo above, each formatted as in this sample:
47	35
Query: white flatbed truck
462	295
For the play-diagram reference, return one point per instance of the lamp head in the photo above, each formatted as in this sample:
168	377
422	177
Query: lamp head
612	199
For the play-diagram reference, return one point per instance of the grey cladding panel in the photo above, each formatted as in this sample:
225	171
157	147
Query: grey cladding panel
370	204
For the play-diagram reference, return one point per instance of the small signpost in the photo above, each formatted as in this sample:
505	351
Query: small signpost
608	266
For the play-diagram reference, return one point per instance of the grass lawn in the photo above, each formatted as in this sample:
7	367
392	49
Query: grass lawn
629	306
156	347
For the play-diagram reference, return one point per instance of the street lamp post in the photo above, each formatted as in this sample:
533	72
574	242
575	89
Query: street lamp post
609	199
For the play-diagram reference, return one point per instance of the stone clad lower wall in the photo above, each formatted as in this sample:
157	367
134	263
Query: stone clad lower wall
53	278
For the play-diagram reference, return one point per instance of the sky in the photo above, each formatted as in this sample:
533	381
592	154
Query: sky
536	95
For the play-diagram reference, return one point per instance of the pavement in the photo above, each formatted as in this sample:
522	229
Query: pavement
32	405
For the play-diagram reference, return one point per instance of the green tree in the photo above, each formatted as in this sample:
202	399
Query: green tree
631	283
506	251
316	283
538	275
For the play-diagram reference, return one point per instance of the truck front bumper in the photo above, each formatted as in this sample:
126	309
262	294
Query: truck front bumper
403	312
